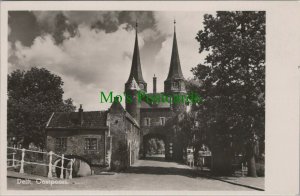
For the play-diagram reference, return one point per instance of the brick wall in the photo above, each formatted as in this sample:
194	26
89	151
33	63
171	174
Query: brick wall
125	141
133	140
117	131
154	115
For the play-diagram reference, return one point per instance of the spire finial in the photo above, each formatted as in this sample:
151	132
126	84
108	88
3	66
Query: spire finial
174	25
136	26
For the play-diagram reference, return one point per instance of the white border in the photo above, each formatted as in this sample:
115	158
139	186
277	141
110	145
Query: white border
282	86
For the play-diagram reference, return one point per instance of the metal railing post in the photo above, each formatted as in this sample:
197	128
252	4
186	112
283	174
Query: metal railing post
62	167
71	168
22	161
50	165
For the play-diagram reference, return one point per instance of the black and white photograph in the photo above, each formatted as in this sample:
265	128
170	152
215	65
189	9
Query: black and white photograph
136	100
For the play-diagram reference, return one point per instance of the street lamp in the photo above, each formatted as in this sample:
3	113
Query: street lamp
14	141
171	150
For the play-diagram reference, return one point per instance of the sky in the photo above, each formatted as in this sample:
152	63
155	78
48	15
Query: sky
91	50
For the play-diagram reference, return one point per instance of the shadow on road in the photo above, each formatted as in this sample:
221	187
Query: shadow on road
160	158
161	171
155	158
156	169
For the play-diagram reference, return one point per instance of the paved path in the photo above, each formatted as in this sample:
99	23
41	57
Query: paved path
156	175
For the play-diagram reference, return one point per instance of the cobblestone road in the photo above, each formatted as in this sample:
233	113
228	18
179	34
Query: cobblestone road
156	175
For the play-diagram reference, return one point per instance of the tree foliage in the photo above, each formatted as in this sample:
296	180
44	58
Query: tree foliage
233	80
155	146
32	97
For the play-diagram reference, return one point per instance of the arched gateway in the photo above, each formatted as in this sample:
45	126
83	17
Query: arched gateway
157	118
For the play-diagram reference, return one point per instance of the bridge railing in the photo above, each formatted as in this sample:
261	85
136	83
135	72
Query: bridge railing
20	163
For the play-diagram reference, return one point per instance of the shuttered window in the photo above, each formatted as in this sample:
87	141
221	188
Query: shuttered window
147	122
162	121
61	143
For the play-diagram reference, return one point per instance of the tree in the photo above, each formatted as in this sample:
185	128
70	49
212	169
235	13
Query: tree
186	126
233	81
32	97
152	146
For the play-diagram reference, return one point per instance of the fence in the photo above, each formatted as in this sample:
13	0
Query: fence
22	162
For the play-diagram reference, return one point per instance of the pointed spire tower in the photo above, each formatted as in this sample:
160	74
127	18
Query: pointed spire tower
136	69
135	83
175	80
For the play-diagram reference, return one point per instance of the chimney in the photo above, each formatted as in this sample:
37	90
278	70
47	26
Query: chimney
80	114
154	84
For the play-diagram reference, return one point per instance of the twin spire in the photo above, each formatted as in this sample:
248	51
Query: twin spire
175	71
136	69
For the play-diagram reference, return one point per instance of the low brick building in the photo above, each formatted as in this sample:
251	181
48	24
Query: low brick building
108	138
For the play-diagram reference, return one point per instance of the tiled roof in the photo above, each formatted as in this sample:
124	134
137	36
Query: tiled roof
93	119
128	116
145	105
160	104
117	107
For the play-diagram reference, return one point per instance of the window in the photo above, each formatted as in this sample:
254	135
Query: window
61	143
175	84
90	144
147	122
162	121
141	86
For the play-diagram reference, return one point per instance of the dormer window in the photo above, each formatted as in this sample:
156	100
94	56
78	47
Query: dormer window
175	85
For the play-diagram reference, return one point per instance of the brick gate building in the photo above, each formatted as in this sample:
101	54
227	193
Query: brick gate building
153	117
115	138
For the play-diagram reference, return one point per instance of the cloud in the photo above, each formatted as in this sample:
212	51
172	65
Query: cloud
46	19
23	27
109	21
88	63
94	60
86	94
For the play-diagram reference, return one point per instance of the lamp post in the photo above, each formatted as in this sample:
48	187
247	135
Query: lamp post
14	142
